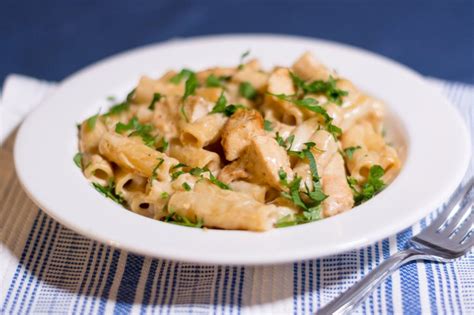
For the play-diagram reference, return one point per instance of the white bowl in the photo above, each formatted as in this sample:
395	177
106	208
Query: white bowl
434	133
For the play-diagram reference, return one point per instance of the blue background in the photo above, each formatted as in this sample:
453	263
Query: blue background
52	39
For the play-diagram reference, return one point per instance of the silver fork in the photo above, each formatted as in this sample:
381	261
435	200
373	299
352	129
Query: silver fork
448	237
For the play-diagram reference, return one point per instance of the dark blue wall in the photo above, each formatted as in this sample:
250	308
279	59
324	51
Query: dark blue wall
52	39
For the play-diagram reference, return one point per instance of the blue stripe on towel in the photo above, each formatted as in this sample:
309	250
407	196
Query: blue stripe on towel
128	285
21	262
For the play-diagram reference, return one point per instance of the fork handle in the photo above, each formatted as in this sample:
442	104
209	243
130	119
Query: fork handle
349	300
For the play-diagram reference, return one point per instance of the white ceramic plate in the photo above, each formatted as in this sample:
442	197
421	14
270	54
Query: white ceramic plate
433	132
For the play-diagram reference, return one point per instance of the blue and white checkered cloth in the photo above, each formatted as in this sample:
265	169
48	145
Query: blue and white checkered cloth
47	268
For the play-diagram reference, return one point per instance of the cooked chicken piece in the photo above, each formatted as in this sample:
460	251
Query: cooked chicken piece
232	172
256	78
260	163
253	64
241	127
330	165
308	68
335	185
196	107
280	82
211	94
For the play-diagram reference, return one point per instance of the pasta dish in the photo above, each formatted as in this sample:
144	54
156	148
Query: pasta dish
240	148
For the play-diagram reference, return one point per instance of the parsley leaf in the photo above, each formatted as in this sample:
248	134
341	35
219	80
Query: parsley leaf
153	173
267	125
197	171
309	103
78	159
177	174
311	208
328	88
222	107
189	89
217	182
182	75
349	152
186	186
242	58
232	108
214	81
118	108
109	192
156	98
179	165
220	104
121	107
190	86
372	186
334	130
91	121
175	218
164	195
143	131
247	90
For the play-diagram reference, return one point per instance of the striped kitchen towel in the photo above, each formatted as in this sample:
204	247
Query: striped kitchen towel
47	268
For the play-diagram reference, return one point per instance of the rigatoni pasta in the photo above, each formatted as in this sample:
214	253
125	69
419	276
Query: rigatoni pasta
240	147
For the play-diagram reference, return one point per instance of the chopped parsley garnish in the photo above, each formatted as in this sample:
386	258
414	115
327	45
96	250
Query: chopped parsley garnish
143	131
349	152
156	98
179	165
217	182
242	58
186	186
190	86
177	174
109	192
91	121
164	195
232	108
334	130
78	159
189	89
118	108
197	171
327	88
130	96
267	125
121	107
162	145
153	173
308	103
311	204
371	187
222	107
282	175
175	218
182	75
220	104
214	81
285	143
247	90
